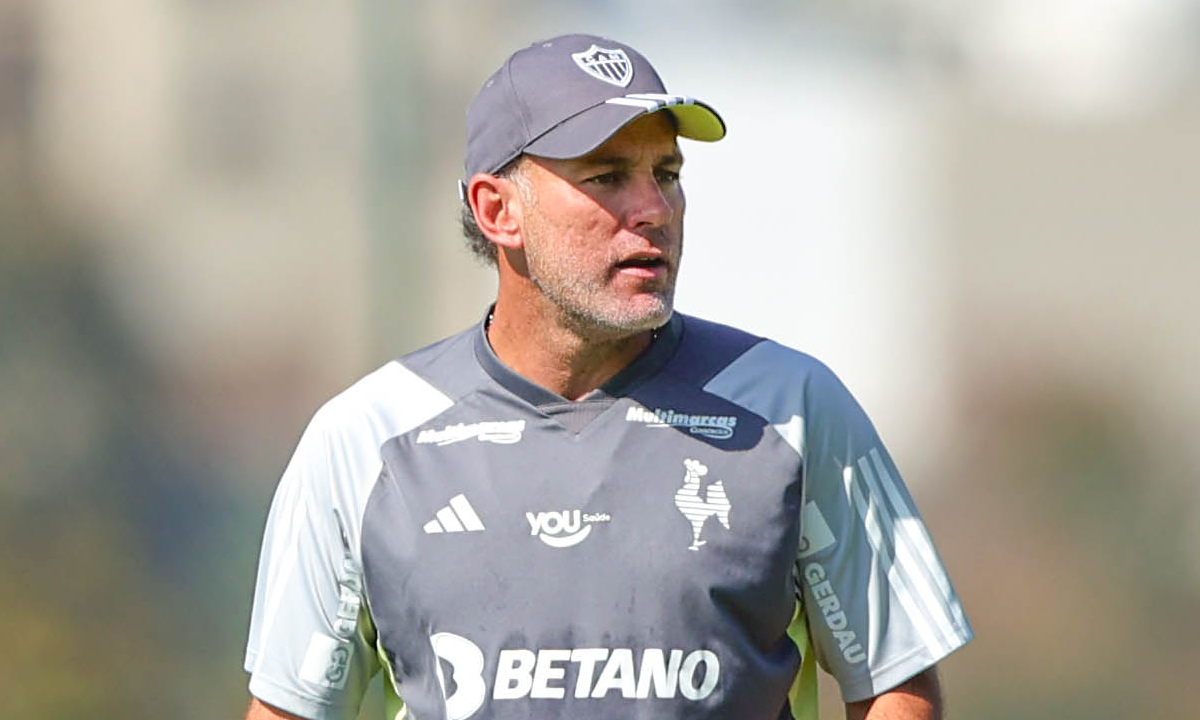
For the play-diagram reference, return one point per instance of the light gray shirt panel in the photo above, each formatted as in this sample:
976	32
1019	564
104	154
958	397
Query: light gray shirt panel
644	577
311	645
879	604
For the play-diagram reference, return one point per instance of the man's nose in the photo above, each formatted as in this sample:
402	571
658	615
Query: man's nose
649	204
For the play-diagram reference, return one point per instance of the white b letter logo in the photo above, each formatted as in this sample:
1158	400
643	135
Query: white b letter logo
466	663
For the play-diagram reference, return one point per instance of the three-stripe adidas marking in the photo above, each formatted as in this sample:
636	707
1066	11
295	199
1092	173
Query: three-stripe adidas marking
651	102
458	516
914	571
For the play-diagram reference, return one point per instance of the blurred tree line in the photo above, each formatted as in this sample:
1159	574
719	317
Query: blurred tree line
1068	510
126	569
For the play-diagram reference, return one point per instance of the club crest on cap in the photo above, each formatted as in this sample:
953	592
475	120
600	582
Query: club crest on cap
610	65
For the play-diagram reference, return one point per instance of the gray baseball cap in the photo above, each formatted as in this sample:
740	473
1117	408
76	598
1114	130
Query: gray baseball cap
563	97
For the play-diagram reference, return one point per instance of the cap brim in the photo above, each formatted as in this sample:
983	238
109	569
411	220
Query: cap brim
588	130
698	121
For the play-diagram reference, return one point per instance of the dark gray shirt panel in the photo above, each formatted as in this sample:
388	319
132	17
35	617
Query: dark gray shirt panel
449	364
656	526
706	348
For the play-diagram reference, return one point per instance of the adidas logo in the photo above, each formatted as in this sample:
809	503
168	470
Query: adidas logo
458	516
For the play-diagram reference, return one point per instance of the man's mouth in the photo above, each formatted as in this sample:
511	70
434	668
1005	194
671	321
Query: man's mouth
643	267
642	262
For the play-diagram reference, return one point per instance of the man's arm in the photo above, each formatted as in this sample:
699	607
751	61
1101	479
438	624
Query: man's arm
259	710
918	698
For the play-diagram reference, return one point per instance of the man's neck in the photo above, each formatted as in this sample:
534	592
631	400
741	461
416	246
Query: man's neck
560	359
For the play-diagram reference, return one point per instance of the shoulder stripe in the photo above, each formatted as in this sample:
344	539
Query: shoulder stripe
910	530
867	511
918	583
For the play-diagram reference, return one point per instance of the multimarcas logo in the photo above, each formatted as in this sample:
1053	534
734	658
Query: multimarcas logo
503	432
583	673
717	427
563	528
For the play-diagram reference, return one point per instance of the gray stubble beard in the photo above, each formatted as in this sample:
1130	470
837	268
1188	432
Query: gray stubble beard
570	298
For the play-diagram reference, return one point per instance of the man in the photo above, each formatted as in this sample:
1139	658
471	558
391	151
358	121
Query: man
588	505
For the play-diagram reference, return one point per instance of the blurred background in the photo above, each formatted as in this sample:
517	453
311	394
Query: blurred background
215	215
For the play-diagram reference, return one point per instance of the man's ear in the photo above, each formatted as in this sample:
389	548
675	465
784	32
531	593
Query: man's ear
497	205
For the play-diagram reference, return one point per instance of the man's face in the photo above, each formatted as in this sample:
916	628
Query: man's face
603	233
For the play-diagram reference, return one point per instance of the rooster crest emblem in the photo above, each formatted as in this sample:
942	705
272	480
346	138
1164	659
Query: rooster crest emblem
696	509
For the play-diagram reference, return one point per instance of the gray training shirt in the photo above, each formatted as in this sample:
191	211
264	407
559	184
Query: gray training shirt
688	541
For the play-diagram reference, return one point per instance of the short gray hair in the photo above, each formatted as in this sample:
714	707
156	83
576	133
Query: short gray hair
478	243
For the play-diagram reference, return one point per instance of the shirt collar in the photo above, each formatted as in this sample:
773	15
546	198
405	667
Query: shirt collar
663	345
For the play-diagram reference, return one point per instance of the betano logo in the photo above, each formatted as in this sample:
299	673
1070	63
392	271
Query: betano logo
504	432
716	427
586	673
563	529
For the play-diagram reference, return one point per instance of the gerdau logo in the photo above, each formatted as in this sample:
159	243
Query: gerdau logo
563	529
584	673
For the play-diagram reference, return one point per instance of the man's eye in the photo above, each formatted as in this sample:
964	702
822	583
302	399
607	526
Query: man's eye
608	178
667	176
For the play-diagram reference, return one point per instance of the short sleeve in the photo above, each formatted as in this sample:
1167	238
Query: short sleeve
311	642
879	604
